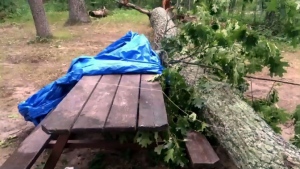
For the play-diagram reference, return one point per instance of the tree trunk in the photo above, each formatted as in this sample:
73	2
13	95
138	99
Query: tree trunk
77	13
162	25
39	18
250	142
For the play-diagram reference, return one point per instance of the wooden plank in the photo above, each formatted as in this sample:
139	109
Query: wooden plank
63	117
28	151
94	114
123	113
152	110
200	151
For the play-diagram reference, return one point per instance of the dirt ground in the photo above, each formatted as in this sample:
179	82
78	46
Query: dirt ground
25	67
289	96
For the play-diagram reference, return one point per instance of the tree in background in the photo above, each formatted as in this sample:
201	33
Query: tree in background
40	19
77	13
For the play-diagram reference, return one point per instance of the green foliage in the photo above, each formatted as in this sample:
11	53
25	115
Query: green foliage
7	6
11	9
269	112
274	19
232	49
228	51
296	140
121	16
296	118
56	5
181	120
296	115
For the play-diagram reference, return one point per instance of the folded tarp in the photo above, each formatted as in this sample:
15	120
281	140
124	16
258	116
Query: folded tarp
130	54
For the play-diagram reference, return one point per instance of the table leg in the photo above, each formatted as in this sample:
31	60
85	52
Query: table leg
57	151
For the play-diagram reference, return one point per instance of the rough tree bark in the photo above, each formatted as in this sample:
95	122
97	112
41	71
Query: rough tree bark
250	142
77	13
39	18
162	25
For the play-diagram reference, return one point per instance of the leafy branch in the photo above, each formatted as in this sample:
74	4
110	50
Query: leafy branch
229	51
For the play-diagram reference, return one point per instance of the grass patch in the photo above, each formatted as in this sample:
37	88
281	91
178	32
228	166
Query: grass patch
117	16
57	17
124	16
26	18
63	34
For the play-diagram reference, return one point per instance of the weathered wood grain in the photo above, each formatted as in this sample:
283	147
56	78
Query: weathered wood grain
96	110
63	117
152	111
200	151
29	150
123	113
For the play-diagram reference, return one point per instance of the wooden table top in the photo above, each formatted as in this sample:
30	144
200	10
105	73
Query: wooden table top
110	103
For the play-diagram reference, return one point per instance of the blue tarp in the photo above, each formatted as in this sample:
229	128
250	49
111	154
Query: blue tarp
130	54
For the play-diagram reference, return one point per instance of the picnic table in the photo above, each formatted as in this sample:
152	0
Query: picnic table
100	104
108	103
96	104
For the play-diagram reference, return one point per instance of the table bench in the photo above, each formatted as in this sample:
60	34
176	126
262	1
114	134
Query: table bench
99	104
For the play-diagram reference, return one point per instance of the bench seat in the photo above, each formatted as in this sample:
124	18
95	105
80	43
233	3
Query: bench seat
29	150
200	151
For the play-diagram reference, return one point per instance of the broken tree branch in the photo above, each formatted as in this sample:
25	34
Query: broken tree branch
249	140
142	10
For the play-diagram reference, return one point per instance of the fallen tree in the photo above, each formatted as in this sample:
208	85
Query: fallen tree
248	139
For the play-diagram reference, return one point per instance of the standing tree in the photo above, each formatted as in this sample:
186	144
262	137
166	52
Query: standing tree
40	19
77	13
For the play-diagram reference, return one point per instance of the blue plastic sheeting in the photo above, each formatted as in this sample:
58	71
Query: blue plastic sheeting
130	54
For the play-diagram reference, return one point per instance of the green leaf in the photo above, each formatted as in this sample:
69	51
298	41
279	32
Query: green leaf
169	155
158	149
251	40
296	140
297	127
276	66
272	5
215	8
273	97
144	139
239	34
199	102
203	126
182	125
193	117
296	114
